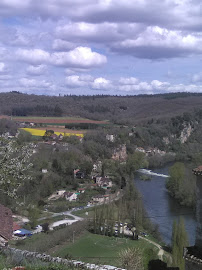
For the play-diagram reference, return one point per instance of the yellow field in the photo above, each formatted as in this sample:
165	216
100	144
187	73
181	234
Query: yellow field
38	132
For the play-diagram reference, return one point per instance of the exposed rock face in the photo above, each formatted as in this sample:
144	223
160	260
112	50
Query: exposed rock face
184	135
186	132
120	153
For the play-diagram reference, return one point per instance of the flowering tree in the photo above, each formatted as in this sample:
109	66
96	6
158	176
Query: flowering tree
14	164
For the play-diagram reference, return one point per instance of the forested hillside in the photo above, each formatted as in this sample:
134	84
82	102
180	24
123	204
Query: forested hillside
118	109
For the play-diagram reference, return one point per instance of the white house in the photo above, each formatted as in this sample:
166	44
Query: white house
56	195
70	196
110	137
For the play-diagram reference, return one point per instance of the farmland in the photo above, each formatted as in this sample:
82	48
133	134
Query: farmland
40	132
67	126
57	120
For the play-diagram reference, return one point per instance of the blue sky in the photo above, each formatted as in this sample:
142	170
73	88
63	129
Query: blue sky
89	47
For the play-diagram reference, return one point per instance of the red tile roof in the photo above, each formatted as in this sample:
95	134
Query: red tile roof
6	222
198	170
16	226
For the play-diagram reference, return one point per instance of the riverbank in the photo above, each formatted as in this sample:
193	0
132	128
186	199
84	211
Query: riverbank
162	209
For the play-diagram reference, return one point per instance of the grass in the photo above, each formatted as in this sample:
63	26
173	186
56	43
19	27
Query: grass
82	212
105	250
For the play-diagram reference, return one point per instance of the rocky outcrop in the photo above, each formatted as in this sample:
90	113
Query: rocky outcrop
185	133
120	153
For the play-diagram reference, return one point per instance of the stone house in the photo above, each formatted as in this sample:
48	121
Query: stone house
104	182
100	199
6	225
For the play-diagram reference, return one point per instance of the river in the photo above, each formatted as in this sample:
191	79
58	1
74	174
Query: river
162	208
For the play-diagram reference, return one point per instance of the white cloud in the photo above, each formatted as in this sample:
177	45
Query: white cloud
33	56
156	42
32	83
62	45
78	81
159	85
74	81
21	40
36	70
128	81
101	84
80	57
2	67
82	31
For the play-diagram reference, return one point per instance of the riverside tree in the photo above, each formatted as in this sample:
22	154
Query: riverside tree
179	241
181	185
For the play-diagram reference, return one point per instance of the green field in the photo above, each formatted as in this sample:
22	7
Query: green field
100	249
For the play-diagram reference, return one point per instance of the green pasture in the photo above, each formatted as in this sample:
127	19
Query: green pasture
100	249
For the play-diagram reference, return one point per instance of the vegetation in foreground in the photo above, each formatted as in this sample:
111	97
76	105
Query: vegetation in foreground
6	263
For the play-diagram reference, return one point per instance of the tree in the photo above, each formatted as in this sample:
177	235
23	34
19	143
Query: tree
33	215
47	134
179	242
131	259
135	162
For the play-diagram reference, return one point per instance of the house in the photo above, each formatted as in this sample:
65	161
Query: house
100	199
60	137
110	137
140	149
81	190
44	170
79	174
16	226
54	137
71	196
103	182
56	195
6	225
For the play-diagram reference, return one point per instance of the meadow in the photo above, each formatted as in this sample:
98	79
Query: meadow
101	249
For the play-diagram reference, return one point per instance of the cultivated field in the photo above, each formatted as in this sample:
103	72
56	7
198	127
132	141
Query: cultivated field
57	120
40	132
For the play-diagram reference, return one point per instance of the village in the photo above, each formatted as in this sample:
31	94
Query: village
58	182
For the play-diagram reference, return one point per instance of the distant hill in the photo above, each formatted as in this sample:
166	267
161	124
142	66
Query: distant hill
118	109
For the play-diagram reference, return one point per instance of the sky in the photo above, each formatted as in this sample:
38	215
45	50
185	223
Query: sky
110	47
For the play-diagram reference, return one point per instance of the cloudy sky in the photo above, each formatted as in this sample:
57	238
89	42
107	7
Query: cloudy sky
123	47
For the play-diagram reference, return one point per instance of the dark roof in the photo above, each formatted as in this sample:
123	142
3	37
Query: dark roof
198	170
6	222
193	254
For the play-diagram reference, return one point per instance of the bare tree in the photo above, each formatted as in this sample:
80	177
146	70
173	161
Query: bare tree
131	259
